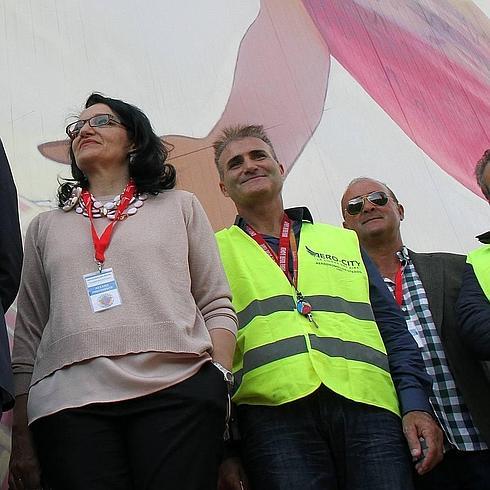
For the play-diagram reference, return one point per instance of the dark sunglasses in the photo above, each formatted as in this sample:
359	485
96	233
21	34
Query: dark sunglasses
73	129
356	205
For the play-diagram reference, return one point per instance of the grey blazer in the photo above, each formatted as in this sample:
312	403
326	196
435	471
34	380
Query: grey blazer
441	275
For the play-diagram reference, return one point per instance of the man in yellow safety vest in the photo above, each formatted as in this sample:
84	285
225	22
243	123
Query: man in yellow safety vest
324	364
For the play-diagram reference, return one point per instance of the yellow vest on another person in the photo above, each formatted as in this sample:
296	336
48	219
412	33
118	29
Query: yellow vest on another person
480	261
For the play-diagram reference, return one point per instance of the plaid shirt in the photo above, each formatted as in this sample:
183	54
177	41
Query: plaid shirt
447	402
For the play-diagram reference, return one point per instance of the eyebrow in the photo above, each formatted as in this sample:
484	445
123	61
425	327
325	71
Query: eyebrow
235	159
365	195
98	114
354	198
239	158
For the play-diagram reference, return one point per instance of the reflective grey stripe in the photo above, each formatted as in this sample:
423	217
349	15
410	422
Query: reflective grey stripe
350	350
361	311
268	353
265	354
264	307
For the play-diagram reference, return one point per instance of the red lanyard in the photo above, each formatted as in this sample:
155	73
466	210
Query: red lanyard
286	240
399	285
101	243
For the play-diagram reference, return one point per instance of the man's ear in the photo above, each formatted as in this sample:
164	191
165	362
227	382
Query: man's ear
223	189
281	168
401	210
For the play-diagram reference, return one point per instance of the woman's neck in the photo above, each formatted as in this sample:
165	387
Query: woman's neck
106	184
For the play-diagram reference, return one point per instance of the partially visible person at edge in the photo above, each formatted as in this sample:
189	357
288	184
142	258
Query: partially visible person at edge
426	286
473	305
120	363
322	348
10	268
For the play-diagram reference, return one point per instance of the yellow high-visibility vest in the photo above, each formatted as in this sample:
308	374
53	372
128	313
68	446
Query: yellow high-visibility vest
281	356
480	260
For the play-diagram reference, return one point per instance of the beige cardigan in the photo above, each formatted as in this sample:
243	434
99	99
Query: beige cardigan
169	275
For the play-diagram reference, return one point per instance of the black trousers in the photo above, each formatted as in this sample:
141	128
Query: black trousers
168	440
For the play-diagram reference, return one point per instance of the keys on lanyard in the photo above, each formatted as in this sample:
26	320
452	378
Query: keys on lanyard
304	308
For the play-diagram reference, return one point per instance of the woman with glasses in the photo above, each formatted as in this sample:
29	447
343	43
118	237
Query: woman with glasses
125	329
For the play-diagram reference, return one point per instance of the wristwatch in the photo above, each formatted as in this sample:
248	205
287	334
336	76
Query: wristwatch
227	375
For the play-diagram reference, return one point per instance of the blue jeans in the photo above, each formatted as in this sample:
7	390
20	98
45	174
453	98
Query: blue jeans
324	442
459	470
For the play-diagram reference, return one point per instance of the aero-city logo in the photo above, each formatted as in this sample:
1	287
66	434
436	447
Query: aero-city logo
344	264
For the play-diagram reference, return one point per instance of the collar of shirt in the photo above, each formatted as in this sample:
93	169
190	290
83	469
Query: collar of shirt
403	256
484	237
300	214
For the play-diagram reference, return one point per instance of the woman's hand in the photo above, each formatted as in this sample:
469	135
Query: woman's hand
232	475
223	346
25	472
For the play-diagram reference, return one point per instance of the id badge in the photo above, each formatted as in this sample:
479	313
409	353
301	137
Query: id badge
102	290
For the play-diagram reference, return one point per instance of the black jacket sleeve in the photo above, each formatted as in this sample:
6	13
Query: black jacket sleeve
407	368
10	237
10	269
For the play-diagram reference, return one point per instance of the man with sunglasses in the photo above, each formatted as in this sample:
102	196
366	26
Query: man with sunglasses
315	389
426	286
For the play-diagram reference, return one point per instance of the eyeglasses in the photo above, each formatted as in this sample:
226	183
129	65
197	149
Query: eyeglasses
356	205
73	129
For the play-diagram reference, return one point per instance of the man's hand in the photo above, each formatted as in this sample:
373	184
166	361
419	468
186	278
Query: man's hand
232	475
420	425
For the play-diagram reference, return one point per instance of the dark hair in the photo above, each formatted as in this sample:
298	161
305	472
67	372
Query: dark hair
147	168
239	132
480	169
